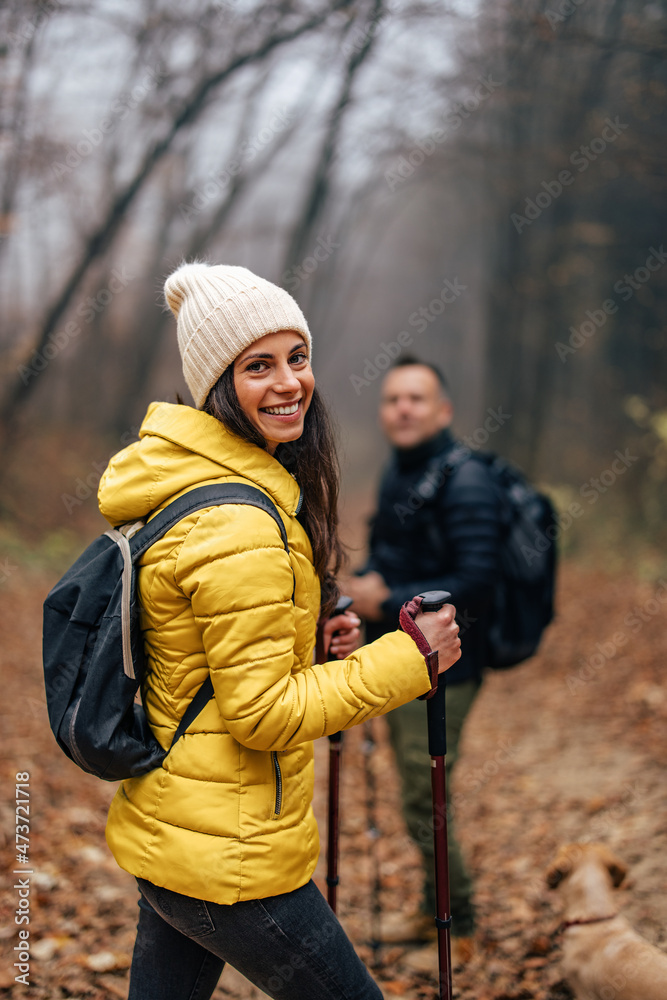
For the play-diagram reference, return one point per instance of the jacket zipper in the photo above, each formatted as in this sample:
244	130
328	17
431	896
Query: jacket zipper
279	784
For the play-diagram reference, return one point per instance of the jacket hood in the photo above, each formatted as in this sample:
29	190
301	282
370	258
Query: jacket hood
180	448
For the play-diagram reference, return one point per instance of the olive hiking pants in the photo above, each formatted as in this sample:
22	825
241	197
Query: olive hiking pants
409	739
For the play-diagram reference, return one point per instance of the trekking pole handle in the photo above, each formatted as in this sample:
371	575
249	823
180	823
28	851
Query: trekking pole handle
342	605
433	600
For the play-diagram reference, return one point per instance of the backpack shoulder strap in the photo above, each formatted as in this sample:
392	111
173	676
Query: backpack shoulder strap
442	467
200	700
203	496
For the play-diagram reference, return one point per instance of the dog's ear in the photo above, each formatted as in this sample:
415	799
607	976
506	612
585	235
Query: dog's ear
568	855
557	870
617	870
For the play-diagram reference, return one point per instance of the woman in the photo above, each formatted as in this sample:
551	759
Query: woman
222	837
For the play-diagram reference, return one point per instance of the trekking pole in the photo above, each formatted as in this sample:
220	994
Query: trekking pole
368	748
333	820
433	600
333	812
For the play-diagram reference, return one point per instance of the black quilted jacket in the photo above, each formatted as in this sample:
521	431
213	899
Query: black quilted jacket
438	530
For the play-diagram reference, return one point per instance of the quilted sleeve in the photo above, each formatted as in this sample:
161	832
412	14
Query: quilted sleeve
235	571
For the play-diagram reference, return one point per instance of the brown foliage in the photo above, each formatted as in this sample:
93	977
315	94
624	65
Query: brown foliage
583	730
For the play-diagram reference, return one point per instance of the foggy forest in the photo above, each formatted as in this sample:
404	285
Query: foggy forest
480	184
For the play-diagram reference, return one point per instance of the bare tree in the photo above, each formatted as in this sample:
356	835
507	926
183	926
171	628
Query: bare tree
183	114
317	193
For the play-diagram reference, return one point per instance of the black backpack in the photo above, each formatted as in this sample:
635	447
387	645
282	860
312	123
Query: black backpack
523	603
93	647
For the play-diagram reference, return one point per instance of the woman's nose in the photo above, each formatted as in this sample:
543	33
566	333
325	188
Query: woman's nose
285	379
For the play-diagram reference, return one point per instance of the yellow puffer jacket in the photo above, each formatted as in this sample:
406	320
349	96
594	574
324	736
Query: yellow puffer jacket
228	815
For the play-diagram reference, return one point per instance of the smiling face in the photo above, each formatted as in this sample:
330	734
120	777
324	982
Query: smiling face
274	384
413	407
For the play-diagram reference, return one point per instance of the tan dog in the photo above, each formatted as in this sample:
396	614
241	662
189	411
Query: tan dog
603	957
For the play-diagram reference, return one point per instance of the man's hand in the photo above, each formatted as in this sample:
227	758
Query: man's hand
368	593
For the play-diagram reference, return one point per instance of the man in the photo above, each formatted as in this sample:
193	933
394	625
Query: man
436	528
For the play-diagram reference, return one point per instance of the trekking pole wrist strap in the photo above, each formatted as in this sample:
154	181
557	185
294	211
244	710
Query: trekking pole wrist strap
433	672
406	619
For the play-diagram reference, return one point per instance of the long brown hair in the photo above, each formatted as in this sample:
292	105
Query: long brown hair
313	461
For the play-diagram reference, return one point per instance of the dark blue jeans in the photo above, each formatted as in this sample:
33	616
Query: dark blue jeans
290	946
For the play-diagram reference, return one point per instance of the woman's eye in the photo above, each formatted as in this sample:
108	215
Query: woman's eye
299	358
255	366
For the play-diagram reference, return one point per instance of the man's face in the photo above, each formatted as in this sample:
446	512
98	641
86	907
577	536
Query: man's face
412	406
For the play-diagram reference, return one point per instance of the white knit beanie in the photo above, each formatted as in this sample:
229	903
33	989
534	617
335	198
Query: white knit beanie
221	310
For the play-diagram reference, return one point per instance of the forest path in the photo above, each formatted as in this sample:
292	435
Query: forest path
568	746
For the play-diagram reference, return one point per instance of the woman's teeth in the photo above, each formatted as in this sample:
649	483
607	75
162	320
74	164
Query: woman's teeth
282	409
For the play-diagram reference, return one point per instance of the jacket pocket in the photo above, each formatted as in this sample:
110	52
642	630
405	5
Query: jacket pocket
278	804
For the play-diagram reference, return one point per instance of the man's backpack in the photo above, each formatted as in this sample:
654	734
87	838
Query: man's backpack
93	647
523	604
